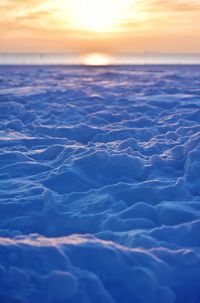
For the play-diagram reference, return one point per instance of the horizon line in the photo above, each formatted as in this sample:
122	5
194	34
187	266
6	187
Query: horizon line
101	52
98	59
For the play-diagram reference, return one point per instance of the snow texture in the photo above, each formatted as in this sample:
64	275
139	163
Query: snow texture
100	184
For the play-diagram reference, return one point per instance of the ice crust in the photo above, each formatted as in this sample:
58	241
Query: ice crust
100	184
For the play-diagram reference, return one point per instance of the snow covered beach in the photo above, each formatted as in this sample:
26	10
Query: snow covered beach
100	184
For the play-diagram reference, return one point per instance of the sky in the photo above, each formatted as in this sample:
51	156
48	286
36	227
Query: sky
111	26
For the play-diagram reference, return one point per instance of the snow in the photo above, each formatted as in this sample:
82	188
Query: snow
100	184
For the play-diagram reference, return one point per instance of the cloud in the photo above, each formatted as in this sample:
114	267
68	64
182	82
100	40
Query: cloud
169	16
51	20
175	6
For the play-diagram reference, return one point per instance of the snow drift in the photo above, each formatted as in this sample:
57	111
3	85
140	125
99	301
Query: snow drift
100	184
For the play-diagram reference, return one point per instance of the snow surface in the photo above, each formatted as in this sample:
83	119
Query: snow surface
100	184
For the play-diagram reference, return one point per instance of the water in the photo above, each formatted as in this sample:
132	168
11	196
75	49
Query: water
103	59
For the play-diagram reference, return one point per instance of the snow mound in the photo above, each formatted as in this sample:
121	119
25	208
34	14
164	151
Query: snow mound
84	269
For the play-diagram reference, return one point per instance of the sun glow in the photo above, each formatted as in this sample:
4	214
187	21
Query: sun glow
97	15
95	59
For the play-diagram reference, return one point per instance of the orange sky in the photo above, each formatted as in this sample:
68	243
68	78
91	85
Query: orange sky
103	26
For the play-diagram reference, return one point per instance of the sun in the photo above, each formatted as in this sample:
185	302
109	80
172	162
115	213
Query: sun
95	59
96	15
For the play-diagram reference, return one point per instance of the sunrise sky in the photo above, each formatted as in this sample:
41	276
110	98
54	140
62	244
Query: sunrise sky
103	26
